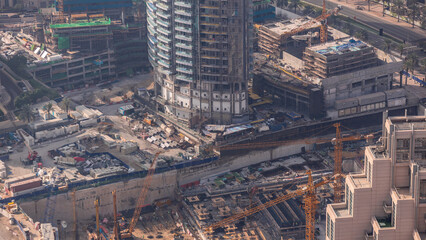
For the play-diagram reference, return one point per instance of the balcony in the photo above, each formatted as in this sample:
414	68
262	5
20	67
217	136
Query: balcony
341	210
164	15
164	47
163	23
402	193
164	39
360	181
182	20
369	236
184	54
387	208
185	46
184	78
163	55
163	31
183	4
163	7
182	37
183	12
163	63
184	29
184	70
382	222
184	62
151	22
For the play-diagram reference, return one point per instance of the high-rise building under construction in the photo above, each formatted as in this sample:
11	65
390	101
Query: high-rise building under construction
201	52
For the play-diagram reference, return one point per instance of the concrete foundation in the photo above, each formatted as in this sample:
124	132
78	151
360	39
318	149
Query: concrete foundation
163	185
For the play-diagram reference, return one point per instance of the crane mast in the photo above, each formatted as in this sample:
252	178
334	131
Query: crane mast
98	234
338	148
310	205
127	233
114	200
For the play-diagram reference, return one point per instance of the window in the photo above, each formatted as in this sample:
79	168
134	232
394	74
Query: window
332	230
402	149
350	202
393	214
369	171
328	225
370	81
420	149
356	84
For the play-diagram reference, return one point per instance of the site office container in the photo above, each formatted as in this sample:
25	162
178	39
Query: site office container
25	185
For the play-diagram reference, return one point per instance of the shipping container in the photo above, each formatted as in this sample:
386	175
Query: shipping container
11	181
25	185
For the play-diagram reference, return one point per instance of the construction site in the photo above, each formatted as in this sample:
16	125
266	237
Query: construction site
171	123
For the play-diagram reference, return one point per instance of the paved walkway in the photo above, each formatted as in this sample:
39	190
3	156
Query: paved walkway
376	10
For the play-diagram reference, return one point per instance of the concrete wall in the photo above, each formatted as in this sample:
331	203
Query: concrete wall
340	87
293	61
281	13
163	185
233	163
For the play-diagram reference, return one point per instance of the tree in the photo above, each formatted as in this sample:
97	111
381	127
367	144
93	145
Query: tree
65	104
363	35
414	14
384	4
308	9
48	108
398	7
26	114
294	4
400	48
282	3
387	45
414	11
423	66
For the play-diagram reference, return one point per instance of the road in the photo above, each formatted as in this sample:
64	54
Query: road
400	32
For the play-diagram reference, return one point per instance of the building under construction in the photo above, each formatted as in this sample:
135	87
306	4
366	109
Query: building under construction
91	42
335	79
274	38
334	58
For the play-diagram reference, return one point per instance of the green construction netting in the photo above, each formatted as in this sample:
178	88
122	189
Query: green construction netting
63	42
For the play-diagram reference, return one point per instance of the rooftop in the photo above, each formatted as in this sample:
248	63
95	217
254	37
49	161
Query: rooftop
288	25
92	22
408	123
339	47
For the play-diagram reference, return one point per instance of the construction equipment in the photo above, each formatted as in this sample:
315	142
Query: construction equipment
98	234
74	208
61	16
32	156
114	200
310	205
307	37
127	233
322	18
338	148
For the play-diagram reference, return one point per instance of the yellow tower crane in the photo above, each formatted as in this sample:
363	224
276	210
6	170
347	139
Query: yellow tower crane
127	233
310	205
338	148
